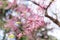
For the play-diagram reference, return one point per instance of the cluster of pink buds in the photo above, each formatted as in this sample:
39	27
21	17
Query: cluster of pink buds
26	17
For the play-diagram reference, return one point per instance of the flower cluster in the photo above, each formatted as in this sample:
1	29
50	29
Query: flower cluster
22	20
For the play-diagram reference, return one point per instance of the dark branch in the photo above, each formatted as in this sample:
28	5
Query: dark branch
54	20
38	5
51	18
46	14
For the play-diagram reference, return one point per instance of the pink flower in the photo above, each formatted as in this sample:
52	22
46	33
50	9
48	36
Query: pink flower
11	23
35	21
19	8
19	35
1	3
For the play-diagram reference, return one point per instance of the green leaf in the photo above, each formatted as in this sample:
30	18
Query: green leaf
24	38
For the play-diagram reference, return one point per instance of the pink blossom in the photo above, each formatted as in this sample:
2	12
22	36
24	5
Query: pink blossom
28	34
19	35
32	22
35	21
11	23
1	3
19	8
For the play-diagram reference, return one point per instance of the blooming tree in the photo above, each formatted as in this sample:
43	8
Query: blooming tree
27	17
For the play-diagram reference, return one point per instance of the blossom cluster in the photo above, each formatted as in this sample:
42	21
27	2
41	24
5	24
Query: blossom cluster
23	19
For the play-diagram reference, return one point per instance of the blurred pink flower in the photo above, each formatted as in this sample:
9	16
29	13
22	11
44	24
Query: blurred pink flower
33	22
19	35
19	8
1	3
11	23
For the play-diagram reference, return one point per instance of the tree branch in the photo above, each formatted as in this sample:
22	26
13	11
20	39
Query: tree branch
51	18
46	14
